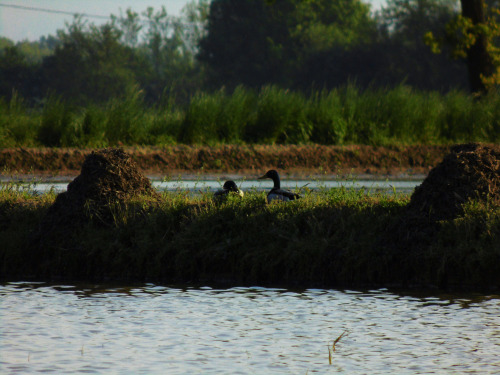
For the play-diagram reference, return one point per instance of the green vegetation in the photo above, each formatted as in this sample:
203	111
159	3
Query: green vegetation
272	115
245	72
293	44
329	238
474	35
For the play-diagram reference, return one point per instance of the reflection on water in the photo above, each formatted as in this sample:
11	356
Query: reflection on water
165	330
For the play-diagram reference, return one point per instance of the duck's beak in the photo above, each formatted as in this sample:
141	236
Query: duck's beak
262	177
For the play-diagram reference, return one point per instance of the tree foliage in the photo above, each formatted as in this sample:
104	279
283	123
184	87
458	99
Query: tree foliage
320	43
296	44
403	26
472	35
89	62
252	43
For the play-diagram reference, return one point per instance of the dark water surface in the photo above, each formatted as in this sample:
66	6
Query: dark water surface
153	329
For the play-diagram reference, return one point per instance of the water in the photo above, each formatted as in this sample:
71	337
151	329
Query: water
401	186
153	329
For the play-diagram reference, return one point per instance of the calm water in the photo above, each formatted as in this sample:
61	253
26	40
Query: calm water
165	330
400	186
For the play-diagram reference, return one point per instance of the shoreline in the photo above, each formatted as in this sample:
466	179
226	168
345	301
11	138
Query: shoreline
189	176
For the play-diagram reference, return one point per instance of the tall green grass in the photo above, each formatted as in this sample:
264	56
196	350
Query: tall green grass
18	123
272	115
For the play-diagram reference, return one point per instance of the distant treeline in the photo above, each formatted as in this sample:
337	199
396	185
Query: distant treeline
346	115
304	46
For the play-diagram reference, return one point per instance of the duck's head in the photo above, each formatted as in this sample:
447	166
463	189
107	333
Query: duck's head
272	174
231	186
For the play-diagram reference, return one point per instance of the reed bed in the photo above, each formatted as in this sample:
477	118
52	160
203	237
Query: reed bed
330	238
272	115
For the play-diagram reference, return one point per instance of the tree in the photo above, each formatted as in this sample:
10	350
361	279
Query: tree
17	74
388	50
403	26
89	63
85	63
165	46
257	42
472	35
321	25
244	43
479	54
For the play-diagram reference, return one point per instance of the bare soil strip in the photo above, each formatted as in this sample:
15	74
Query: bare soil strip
236	159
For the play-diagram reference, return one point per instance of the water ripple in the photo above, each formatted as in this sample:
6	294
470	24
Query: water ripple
156	329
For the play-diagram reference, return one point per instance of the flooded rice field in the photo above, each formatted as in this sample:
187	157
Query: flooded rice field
151	329
196	185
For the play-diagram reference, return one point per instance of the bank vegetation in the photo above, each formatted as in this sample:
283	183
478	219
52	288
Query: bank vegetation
328	238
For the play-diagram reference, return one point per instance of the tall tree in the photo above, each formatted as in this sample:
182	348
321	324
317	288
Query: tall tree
472	35
90	63
479	60
256	42
404	24
388	49
168	51
244	43
17	74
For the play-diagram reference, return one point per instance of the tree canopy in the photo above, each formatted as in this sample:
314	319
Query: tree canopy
297	44
251	42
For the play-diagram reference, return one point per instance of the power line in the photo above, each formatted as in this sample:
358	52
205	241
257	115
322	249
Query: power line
53	11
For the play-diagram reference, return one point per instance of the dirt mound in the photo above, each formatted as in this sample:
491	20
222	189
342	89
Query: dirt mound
107	177
468	171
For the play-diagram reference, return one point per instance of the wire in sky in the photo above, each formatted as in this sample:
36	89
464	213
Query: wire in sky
53	11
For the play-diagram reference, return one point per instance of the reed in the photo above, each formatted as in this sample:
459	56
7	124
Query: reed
331	348
346	115
17	124
92	133
57	127
279	118
126	120
201	119
332	237
325	111
164	125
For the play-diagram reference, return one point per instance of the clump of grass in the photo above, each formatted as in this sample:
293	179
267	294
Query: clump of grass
125	120
237	113
200	122
164	125
92	131
17	125
21	211
468	246
324	110
57	127
280	117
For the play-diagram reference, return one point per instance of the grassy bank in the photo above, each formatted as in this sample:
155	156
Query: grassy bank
329	238
338	117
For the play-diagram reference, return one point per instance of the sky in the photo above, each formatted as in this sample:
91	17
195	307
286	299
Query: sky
19	23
